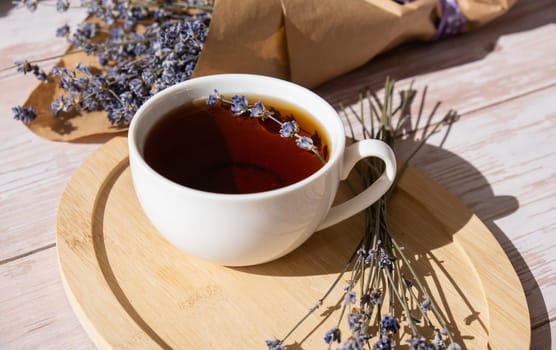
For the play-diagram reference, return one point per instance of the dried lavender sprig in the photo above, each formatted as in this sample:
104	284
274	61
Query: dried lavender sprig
39	60
421	286
24	114
319	302
448	118
239	105
402	301
349	295
378	233
18	64
27	67
188	5
370	296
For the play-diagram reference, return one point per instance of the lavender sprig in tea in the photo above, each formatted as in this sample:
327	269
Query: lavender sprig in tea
239	105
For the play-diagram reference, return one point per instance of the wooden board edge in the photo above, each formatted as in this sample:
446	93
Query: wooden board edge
501	284
84	197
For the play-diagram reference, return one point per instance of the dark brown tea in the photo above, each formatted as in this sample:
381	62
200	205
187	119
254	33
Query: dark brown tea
209	149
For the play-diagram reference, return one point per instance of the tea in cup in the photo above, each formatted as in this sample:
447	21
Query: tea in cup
241	169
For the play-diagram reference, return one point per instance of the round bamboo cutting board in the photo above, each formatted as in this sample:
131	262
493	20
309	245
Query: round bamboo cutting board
131	289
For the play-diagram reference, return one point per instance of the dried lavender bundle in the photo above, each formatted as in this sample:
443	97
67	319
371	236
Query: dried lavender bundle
378	266
140	46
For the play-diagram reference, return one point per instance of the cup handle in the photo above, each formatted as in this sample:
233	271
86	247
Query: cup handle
353	154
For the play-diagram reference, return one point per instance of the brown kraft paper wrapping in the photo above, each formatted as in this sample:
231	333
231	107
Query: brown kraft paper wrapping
305	41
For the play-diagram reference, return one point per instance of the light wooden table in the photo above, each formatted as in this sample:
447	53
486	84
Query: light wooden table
499	159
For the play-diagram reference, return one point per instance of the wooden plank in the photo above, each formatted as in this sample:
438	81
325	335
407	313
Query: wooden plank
500	61
30	188
497	153
34	311
33	171
20	40
501	162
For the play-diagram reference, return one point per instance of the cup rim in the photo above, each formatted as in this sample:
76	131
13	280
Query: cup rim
337	141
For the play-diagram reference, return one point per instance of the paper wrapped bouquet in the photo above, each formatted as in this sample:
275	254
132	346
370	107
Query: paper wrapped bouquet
305	41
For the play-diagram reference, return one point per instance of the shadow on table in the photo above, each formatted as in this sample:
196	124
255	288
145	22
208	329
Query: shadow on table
319	255
491	208
5	7
420	58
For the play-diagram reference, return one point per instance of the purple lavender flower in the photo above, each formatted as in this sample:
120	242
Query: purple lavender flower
117	34
148	76
358	342
58	71
141	63
305	143
351	298
361	252
90	104
332	335
136	85
370	256
274	344
289	129
24	114
30	4
239	105
62	5
88	47
376	296
87	30
438	341
188	68
63	31
364	300
258	110
452	20
425	304
39	73
117	115
384	343
419	344
102	59
384	260
24	66
355	321
194	30
389	324
56	107
83	68
68	104
213	99
454	346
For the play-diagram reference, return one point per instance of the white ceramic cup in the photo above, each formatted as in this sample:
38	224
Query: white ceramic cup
248	229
